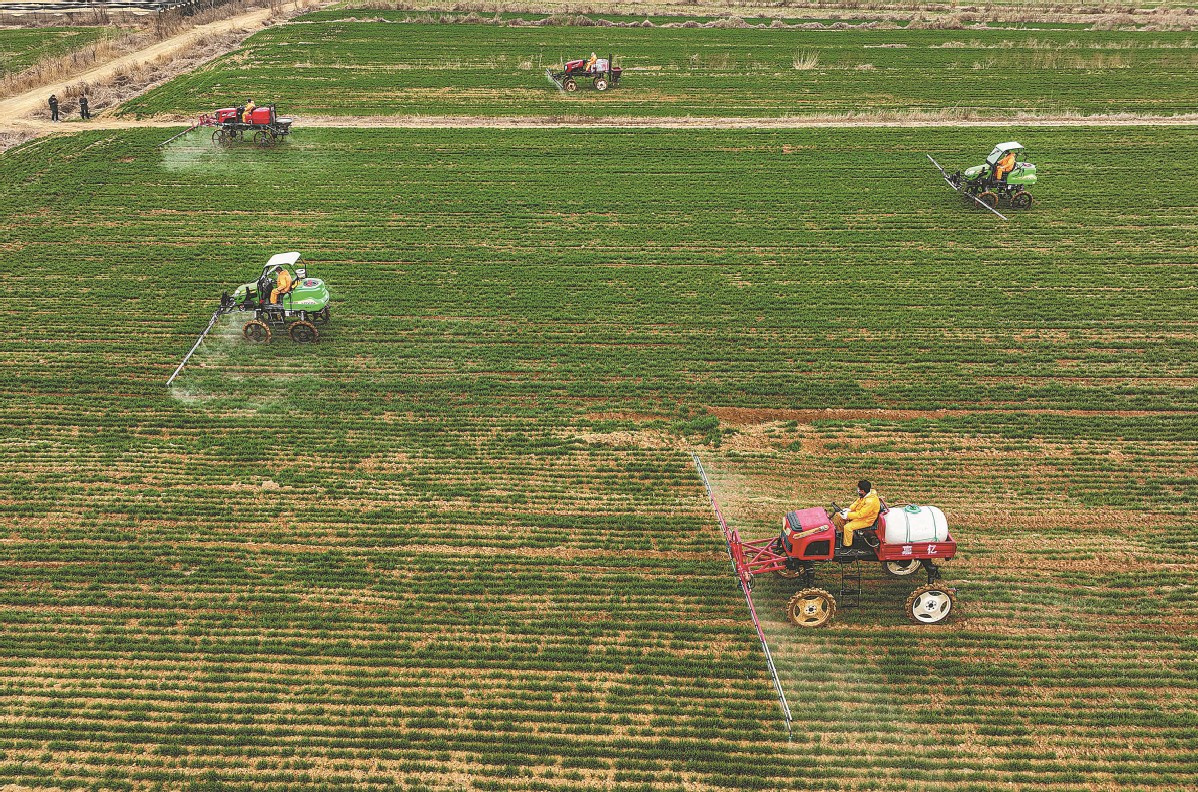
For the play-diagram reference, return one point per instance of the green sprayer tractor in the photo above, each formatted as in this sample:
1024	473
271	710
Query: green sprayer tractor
989	183
282	299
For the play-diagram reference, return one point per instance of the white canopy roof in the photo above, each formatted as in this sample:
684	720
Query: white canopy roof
283	260
1003	148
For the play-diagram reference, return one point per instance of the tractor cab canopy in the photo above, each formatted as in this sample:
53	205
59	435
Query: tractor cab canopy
287	261
306	293
1001	150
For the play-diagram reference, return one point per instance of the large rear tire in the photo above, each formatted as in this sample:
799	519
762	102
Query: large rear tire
262	138
303	332
600	84
930	604
256	331
901	568
220	137
811	607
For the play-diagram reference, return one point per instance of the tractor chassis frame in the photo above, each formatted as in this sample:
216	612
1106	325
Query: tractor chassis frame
850	576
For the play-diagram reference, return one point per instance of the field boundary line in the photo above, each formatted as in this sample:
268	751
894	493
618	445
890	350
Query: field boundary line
40	127
702	122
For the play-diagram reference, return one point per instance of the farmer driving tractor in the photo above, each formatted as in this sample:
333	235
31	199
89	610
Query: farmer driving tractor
1004	166
283	285
862	514
248	112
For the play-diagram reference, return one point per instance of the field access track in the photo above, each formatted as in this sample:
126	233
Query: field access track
331	64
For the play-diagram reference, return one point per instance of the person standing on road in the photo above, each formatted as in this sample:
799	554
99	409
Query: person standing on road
84	113
53	107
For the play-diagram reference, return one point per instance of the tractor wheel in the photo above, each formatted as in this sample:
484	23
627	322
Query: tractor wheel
600	84
1021	200
322	315
811	608
220	137
262	138
786	573
257	331
929	604
901	568
989	198
303	332
570	85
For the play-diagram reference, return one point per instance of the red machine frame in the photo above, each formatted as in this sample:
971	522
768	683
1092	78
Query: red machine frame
758	556
605	74
809	537
264	125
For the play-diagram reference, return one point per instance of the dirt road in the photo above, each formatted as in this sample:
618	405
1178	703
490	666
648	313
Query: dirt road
16	111
556	122
15	108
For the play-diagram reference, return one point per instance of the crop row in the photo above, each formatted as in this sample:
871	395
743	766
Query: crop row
23	47
516	289
459	541
384	66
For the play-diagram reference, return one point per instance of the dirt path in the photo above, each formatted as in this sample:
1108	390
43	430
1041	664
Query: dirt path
689	122
15	108
556	122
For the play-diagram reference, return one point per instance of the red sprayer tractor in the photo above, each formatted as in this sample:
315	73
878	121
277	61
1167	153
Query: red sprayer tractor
234	124
602	71
904	540
262	125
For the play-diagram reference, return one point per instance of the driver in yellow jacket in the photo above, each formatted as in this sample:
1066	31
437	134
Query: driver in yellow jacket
282	285
862	514
1004	166
248	113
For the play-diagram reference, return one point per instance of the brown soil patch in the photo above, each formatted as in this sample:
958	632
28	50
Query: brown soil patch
746	416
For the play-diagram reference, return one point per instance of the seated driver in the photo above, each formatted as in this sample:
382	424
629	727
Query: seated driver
862	514
282	285
593	60
1004	166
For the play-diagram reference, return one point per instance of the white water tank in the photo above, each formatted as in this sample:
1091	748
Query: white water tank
905	524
